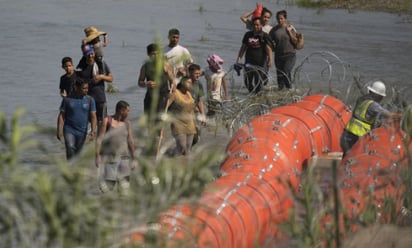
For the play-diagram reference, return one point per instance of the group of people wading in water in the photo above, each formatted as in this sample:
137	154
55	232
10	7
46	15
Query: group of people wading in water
172	82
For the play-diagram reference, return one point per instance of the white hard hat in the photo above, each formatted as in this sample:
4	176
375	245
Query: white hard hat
378	88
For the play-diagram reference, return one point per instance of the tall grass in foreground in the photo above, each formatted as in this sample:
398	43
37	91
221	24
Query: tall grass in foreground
58	205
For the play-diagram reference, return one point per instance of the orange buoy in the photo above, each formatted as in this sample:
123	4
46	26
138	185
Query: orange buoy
246	205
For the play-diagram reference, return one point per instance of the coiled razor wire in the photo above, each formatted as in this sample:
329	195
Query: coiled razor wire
320	72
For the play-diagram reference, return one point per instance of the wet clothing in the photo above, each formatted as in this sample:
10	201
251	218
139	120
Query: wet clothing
214	84
115	144
255	56
115	157
284	66
347	140
162	90
285	55
183	112
214	90
67	84
183	126
281	40
256	48
184	143
96	90
73	144
76	113
101	110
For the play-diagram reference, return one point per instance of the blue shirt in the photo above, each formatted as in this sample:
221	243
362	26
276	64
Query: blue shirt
76	114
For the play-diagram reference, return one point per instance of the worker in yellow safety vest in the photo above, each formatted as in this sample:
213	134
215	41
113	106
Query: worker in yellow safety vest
367	110
407	120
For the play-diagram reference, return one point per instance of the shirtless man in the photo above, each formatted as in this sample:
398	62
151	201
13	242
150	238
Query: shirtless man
115	150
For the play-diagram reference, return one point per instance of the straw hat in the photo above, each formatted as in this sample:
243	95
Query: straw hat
92	33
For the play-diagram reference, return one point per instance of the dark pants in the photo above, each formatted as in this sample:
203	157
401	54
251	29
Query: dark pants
152	107
74	144
101	111
253	79
347	140
100	64
284	65
213	106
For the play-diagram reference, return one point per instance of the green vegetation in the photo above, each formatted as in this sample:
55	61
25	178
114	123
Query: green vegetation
316	220
203	38
58	205
111	89
394	6
305	224
201	8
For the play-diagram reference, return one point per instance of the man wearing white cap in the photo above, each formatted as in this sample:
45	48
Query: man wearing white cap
367	110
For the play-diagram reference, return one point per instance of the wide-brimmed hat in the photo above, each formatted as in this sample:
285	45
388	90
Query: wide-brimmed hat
92	33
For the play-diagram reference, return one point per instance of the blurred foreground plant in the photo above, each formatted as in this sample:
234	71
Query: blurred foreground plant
12	141
59	205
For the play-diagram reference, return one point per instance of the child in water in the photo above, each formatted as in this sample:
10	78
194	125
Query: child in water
215	79
67	80
93	38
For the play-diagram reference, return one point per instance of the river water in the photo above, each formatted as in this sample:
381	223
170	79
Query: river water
35	35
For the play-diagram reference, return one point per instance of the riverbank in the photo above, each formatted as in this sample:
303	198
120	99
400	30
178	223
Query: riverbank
391	6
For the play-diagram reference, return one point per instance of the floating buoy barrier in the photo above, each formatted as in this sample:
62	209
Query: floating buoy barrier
370	175
245	206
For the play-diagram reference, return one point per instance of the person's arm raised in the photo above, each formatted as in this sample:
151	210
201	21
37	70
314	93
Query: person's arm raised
244	18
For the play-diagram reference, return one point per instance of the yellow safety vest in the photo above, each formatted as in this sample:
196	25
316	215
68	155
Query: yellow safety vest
358	124
407	120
